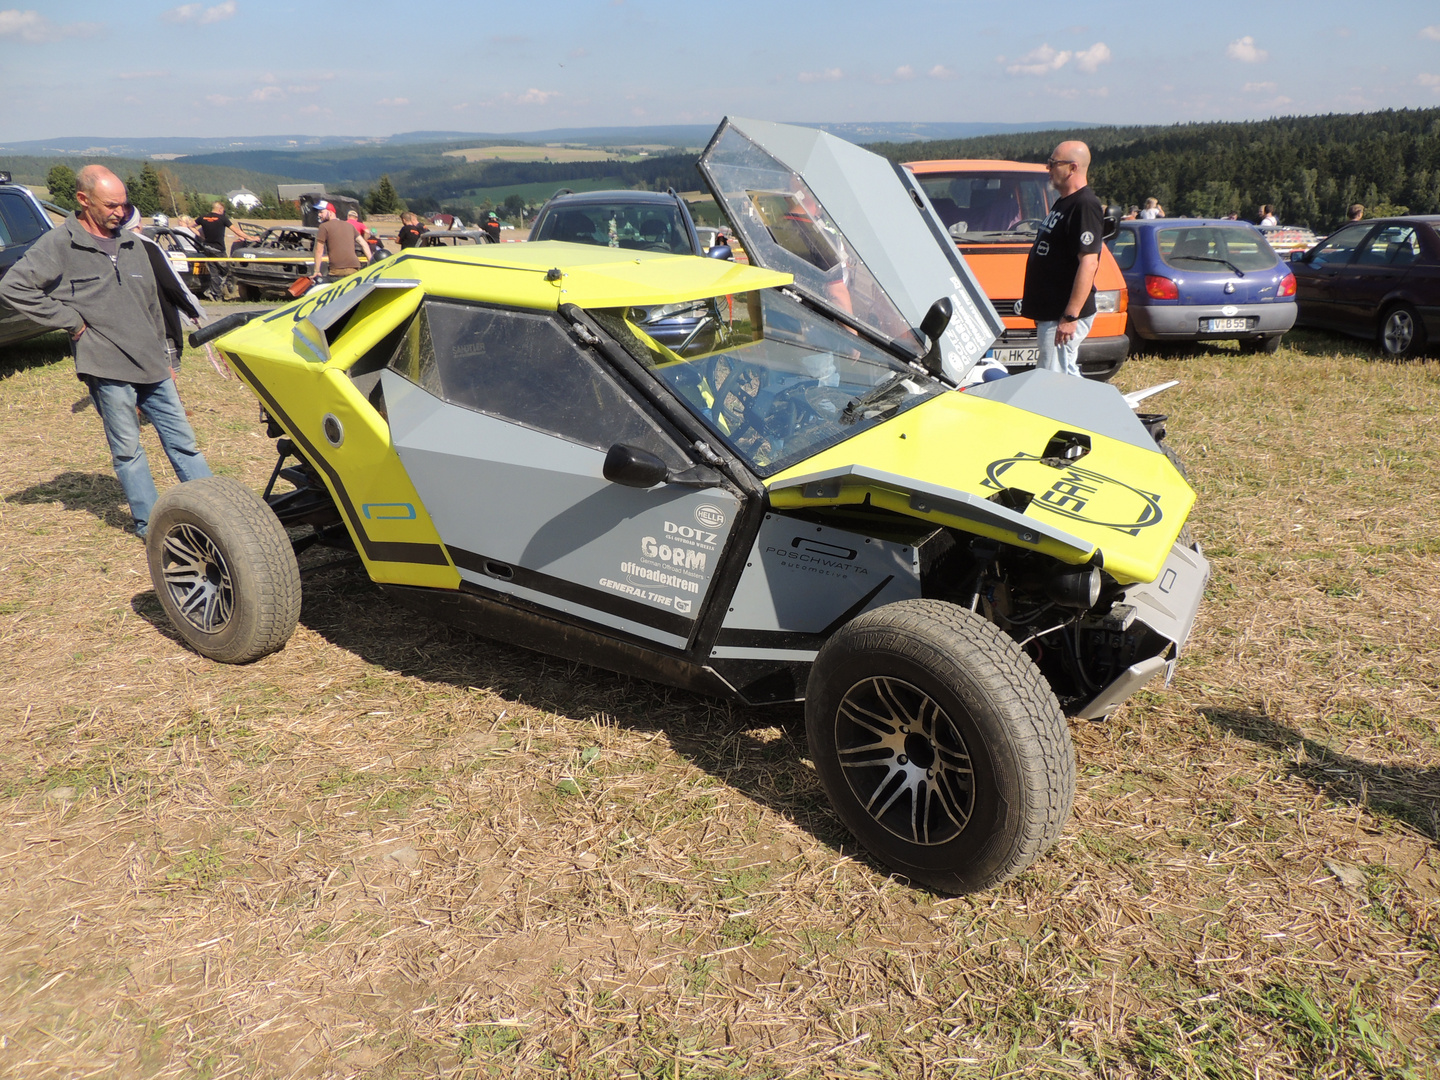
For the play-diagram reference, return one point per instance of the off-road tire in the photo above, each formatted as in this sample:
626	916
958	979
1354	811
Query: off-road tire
963	698
248	602
1402	334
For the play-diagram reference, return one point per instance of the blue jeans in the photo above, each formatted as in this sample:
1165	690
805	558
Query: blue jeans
116	403
1065	358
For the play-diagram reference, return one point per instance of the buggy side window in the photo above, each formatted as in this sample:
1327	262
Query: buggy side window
525	368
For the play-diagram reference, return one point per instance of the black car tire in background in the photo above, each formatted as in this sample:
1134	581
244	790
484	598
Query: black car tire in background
224	570
1269	345
940	744
1402	334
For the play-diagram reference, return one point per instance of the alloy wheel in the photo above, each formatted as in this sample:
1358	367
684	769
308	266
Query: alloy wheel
1399	332
904	760
198	578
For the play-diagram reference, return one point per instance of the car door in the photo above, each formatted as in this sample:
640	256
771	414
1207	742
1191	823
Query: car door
503	420
1319	287
1379	266
21	224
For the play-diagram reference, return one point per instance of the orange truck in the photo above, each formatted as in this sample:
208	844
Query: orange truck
993	209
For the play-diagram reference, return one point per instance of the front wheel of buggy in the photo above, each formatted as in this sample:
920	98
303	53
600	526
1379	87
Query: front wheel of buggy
940	744
224	570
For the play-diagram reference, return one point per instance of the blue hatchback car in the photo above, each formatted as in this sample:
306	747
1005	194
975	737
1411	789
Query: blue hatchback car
1197	279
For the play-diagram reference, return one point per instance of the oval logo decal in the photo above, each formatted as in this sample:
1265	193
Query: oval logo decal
1077	493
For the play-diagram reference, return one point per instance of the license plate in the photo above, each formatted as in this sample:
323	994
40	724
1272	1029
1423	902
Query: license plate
1226	324
1018	357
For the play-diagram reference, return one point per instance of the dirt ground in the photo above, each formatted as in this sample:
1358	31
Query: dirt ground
395	850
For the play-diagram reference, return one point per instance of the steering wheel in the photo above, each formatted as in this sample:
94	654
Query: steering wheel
740	373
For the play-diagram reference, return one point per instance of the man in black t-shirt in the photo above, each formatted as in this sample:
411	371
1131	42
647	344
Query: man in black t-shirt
410	231
1060	272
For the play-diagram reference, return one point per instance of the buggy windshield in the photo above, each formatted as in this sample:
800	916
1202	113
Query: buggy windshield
774	380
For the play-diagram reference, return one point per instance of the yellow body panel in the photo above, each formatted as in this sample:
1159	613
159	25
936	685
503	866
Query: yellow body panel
364	474
977	446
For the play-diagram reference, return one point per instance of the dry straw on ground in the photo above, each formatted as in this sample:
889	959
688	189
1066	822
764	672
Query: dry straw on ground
394	850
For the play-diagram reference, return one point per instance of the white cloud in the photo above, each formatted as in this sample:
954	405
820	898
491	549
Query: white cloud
1040	61
530	97
32	27
1260	87
218	99
200	14
1426	79
1244	50
1431	32
904	73
1089	60
393	102
828	75
265	93
940	71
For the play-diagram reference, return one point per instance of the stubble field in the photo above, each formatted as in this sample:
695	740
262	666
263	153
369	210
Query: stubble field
394	850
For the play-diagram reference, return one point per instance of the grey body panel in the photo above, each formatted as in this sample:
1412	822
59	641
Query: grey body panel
887	224
1168	606
804	580
1183	320
1078	403
529	514
927	497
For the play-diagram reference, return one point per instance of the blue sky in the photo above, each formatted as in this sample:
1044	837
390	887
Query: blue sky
255	67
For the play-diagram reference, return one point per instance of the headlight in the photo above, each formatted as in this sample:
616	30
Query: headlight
1109	300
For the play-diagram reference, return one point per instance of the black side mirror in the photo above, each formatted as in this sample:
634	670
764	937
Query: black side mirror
932	326
634	467
1110	218
720	251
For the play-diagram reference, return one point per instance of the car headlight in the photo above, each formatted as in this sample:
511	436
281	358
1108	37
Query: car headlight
1108	300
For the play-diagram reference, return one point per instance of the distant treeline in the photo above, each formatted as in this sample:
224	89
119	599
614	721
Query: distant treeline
1310	168
215	179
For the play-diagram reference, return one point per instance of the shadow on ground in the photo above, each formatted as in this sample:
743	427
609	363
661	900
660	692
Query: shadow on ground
1401	792
96	493
34	352
733	743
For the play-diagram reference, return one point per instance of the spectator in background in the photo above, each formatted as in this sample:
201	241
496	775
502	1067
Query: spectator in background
492	227
213	226
1267	215
336	240
410	231
1152	210
1131	214
94	280
175	299
1357	212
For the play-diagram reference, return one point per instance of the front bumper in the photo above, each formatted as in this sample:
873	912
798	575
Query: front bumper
1175	322
1166	607
1100	357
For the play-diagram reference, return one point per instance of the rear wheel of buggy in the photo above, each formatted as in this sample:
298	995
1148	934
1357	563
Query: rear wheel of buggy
940	744
224	570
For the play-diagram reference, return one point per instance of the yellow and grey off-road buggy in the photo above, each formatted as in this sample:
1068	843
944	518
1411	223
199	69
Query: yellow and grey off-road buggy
810	495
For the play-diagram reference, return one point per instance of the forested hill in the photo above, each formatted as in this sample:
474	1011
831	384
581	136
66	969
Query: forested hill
1311	168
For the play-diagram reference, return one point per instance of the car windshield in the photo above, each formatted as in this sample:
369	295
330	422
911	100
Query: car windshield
1215	248
776	381
634	226
988	202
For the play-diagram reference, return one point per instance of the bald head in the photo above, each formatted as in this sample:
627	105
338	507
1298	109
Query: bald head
1069	166
104	204
91	175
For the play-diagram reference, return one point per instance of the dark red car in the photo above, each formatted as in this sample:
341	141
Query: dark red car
1375	279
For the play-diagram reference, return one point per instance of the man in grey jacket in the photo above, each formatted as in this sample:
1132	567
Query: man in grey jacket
93	280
